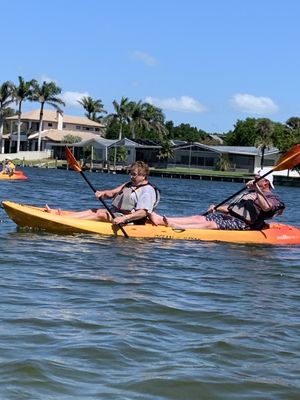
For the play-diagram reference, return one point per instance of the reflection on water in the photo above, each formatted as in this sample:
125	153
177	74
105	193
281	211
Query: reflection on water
88	317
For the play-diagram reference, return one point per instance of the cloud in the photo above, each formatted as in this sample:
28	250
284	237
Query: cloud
253	104
145	58
182	104
71	98
46	78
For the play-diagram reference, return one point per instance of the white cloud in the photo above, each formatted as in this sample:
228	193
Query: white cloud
145	58
182	104
71	98
253	104
46	78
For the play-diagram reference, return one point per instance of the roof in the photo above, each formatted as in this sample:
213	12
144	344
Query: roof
51	116
56	135
95	142
139	143
241	150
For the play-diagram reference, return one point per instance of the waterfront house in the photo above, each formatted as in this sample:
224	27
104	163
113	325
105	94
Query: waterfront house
55	124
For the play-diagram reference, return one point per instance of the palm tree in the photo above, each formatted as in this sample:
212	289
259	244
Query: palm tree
166	152
121	115
20	93
138	117
156	119
92	108
46	94
6	90
264	129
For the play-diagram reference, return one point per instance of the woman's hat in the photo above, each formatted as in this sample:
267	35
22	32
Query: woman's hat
269	177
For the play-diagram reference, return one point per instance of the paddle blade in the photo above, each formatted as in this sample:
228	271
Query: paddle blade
71	160
289	160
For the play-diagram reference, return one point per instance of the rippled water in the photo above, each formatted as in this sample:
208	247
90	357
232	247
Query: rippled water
90	317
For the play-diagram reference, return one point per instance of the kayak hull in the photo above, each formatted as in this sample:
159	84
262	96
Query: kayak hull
17	176
37	218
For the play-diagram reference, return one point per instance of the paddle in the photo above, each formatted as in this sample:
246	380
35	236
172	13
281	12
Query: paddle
287	161
73	164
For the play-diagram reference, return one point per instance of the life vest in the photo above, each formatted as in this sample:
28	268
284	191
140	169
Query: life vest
245	209
124	201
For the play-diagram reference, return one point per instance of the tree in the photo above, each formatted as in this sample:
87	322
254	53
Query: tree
121	154
264	129
165	152
138	117
243	134
46	94
71	139
21	93
122	116
156	120
92	108
6	91
223	164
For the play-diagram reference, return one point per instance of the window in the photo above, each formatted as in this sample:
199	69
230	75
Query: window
50	124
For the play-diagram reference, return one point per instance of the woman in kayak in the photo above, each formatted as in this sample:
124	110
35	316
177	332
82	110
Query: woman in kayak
9	167
247	212
132	201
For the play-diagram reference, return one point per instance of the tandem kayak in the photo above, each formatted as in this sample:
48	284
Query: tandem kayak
37	218
16	176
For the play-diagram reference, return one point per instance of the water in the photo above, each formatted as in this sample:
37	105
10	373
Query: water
90	317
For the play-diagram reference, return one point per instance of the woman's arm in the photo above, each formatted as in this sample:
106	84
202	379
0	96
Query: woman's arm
108	194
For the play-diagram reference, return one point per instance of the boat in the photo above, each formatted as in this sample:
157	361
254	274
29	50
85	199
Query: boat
16	176
37	218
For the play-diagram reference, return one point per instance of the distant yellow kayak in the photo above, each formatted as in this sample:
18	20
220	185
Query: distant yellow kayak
38	218
17	175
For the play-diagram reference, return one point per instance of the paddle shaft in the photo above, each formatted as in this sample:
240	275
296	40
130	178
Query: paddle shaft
238	192
103	202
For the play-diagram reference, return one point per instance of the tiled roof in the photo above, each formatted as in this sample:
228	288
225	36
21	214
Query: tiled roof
56	135
51	116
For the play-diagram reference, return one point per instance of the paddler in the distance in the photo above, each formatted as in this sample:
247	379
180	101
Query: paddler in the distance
8	167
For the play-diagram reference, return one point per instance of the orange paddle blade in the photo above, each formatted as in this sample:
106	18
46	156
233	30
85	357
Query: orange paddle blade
289	160
71	160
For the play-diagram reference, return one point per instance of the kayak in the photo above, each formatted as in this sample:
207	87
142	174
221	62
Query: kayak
16	176
38	218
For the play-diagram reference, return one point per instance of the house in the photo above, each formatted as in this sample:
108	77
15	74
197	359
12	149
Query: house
55	124
191	155
241	158
138	149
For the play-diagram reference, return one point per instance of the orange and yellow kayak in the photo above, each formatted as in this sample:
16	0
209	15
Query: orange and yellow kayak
16	176
37	218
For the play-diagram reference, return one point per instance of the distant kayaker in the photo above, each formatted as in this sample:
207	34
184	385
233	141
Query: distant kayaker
249	211
132	201
9	167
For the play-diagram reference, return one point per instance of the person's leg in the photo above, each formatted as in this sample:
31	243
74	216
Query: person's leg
92	214
200	224
193	219
156	218
163	220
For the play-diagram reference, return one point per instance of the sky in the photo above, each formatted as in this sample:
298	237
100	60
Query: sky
207	63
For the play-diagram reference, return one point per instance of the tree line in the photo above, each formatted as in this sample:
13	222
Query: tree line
143	120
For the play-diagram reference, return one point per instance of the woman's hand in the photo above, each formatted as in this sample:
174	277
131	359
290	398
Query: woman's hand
211	208
120	220
101	194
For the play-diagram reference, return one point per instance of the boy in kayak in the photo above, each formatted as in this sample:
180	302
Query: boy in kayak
132	201
9	167
248	212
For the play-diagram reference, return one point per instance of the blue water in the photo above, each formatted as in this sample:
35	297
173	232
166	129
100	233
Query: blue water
90	317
